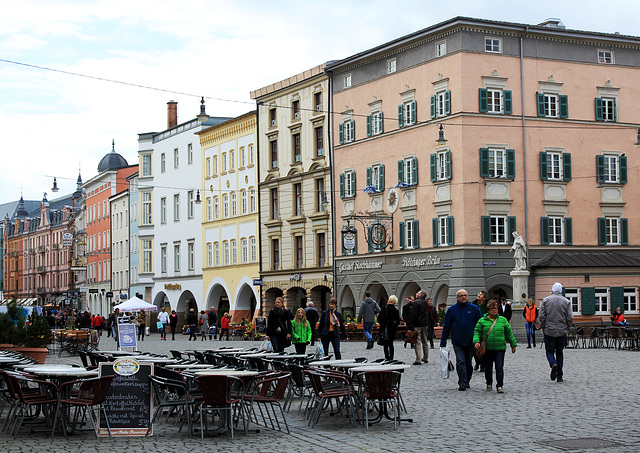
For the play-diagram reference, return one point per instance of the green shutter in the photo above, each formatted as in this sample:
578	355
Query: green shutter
568	231
540	102
414	112
617	298
382	185
450	230
484	162
369	181
354	184
381	122
416	234
401	227
485	223
544	230
369	243
400	116
543	166
434	231
602	231
341	133
414	170
508	107
483	100
433	106
341	185
433	159
447	102
511	163
624	227
566	163
511	222
400	171
564	106
368	125
599	113
448	165
600	168
588	299
353	130
623	169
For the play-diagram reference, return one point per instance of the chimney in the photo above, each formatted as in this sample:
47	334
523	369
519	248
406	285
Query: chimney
172	114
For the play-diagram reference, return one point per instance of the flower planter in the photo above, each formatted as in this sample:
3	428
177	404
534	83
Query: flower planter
39	354
5	347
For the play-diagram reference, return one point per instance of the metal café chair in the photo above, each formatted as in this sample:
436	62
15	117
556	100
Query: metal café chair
173	394
268	393
29	405
379	390
217	398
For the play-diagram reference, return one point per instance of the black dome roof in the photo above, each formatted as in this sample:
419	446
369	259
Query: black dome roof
112	161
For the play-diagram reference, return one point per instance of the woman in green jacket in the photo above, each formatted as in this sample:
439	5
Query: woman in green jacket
300	332
496	338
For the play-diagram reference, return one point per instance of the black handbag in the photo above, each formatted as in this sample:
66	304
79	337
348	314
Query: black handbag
383	338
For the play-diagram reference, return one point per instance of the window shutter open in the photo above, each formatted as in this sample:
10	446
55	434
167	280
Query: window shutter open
617	298
434	231
450	229
599	114
623	169
624	227
369	181
544	230
416	234
508	105
566	164
511	163
341	133
400	116
588	299
414	170
568	231
341	185
353	184
447	102
368	125
448	165
414	112
382	185
484	162
600	168
602	231
433	159
400	172
564	106
485	223
540	102
433	106
483	100
381	122
511	223
353	130
543	166
401	228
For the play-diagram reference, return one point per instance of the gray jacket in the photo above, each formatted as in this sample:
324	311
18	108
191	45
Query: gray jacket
555	315
368	310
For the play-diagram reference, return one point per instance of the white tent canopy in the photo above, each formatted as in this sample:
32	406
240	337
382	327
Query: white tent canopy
135	304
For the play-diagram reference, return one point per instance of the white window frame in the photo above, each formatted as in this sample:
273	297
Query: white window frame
441	165
190	154
573	294
209	209
176	207
630	300
409	237
611	168
499	230
554	166
191	255
234	251
176	158
408	171
146	165
556	230
176	258
254	249
252	200
391	66
349	131
376	177
147	211
602	301
605	56
609	109
613	232
215	165
163	163
216	208
216	250
376	123
551	105
346	81
209	254
163	258
243	157
492	44
408	118
147	255
232	160
441	48
440	103
244	203
234	204
245	250
191	205
225	252
251	155
349	184
495	100
225	205
497	162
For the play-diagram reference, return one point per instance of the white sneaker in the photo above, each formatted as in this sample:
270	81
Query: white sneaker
499	389
488	387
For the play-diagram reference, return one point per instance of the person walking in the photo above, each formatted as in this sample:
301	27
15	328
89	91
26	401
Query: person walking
300	331
481	301
504	309
279	326
331	329
142	324
530	314
389	319
420	323
406	317
432	321
192	322
495	331
312	316
460	321
367	316
163	317
173	324
212	320
556	319
203	325
225	325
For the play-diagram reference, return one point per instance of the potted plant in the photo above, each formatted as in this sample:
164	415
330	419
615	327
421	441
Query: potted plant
30	337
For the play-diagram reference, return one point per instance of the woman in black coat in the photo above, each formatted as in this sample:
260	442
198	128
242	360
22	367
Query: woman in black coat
279	326
389	319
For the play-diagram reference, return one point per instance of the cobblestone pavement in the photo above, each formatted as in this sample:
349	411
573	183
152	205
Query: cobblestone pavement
598	400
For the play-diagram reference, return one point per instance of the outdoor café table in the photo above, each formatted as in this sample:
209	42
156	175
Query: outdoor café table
155	360
8	361
118	353
39	366
60	375
331	363
379	367
189	366
227	372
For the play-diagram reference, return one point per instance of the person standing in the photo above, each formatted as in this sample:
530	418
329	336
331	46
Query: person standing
163	317
300	331
406	317
225	325
192	322
279	326
556	319
142	324
367	316
331	329
203	324
432	319
212	320
460	321
389	319
173	324
420	323
504	309
312	316
113	323
496	331
530	314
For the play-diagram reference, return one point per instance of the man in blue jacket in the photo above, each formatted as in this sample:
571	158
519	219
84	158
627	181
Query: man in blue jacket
459	321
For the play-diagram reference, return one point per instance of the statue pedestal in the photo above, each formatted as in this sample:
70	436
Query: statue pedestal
520	285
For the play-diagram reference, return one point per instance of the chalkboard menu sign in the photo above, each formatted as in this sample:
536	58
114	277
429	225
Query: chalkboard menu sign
128	403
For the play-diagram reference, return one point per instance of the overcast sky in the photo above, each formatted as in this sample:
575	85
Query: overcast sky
54	124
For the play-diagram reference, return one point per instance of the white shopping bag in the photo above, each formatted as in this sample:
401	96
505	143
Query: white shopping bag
266	346
446	364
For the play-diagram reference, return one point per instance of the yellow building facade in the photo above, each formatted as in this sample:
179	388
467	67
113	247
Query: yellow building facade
230	218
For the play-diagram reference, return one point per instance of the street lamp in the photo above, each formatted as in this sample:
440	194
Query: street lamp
441	141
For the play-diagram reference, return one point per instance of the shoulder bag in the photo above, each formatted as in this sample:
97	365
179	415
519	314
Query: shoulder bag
483	344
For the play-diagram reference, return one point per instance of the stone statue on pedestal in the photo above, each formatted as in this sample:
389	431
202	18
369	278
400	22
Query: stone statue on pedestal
519	250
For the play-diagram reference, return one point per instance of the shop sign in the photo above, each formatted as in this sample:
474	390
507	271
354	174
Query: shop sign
419	262
360	265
